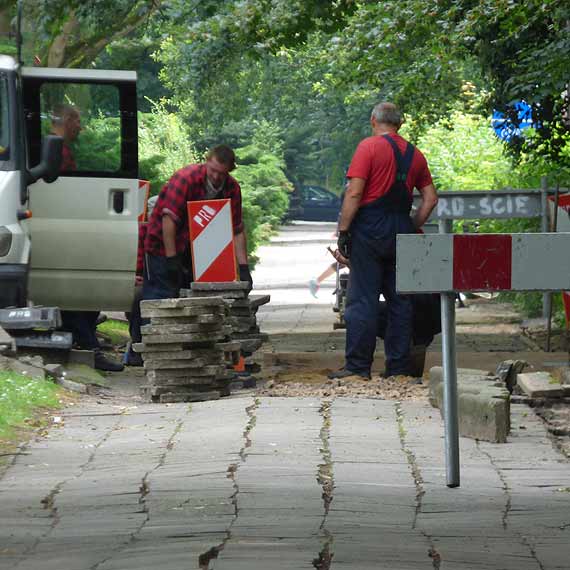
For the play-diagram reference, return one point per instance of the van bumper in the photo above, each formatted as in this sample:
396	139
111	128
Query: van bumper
13	284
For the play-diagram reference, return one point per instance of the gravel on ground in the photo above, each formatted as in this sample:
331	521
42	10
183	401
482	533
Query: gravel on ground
316	384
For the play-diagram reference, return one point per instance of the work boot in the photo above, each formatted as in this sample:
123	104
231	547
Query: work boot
103	363
344	373
133	358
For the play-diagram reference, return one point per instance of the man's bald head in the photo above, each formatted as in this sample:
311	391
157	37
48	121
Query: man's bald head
66	121
387	114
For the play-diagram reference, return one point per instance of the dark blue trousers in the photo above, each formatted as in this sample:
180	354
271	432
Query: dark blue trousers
156	284
372	272
83	326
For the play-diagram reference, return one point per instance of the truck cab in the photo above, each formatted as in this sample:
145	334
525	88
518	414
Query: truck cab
68	239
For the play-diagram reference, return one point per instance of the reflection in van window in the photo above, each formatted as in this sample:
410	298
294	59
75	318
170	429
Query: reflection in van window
87	117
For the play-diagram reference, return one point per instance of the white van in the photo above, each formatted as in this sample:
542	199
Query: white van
69	242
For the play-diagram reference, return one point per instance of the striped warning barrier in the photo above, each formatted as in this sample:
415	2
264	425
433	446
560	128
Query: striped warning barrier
211	240
483	262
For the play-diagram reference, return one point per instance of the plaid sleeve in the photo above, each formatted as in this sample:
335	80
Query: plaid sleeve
174	198
235	195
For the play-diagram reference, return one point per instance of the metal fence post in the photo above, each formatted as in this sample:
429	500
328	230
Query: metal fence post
450	412
546	297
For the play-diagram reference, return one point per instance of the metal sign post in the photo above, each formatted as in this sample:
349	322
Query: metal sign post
450	414
449	358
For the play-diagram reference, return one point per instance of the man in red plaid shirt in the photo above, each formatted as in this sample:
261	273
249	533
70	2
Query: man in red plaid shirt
166	245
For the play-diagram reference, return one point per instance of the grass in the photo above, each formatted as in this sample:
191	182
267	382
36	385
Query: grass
20	397
116	331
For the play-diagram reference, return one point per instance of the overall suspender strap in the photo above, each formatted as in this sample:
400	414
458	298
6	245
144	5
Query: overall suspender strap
403	163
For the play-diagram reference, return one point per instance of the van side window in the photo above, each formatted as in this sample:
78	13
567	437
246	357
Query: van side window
88	118
96	121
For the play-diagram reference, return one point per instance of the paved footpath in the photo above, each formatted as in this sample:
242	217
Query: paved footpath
277	483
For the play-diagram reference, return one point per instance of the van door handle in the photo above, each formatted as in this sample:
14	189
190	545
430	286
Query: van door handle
118	201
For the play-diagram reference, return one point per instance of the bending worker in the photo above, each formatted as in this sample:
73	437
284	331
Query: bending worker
383	173
167	247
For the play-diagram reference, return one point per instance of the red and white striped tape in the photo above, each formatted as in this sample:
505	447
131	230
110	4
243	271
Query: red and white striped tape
212	240
483	262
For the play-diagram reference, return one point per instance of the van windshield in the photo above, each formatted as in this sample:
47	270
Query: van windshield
4	120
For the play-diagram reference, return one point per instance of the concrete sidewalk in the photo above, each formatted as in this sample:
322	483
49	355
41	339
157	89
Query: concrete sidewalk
277	483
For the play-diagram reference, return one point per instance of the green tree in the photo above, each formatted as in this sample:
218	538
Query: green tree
73	33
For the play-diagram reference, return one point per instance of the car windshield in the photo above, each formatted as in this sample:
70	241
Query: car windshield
4	121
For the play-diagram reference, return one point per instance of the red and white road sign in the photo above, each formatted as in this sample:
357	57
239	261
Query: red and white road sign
142	200
212	240
483	262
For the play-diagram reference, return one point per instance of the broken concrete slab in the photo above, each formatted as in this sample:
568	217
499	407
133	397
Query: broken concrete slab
185	312
540	385
182	328
166	364
182	302
23	368
7	343
257	300
84	374
54	371
508	370
204	294
186	338
72	386
220	286
483	403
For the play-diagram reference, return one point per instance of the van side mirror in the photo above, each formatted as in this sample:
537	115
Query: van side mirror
50	163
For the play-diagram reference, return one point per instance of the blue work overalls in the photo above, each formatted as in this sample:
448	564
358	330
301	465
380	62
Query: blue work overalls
373	271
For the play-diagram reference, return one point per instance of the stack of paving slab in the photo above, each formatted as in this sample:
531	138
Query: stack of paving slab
185	349
242	314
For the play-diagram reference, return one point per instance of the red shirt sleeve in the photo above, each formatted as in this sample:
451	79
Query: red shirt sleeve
423	177
361	164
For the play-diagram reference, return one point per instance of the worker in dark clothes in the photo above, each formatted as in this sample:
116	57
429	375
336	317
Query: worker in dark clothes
167	249
133	358
383	173
66	123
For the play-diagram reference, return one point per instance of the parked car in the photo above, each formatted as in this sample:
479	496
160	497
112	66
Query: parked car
315	203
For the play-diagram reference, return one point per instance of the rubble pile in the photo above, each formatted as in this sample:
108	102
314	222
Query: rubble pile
536	332
242	315
186	349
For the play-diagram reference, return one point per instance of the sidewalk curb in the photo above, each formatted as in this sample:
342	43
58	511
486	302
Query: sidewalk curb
483	403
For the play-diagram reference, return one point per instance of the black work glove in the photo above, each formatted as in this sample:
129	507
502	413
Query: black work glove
344	243
174	271
245	275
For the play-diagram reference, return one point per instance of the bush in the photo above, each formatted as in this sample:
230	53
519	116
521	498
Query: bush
164	146
265	192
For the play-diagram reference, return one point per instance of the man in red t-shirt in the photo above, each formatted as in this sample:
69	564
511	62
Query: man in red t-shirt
66	123
166	245
383	173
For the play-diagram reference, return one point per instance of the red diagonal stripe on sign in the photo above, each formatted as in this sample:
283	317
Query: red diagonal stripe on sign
482	262
222	269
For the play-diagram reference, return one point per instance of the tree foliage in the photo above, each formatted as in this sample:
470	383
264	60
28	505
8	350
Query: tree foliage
72	33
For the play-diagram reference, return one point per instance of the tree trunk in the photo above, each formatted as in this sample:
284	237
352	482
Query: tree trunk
57	50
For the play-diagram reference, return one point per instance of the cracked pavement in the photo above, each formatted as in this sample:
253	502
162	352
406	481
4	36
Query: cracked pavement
282	483
316	482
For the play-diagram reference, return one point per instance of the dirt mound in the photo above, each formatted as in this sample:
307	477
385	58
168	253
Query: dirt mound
316	384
